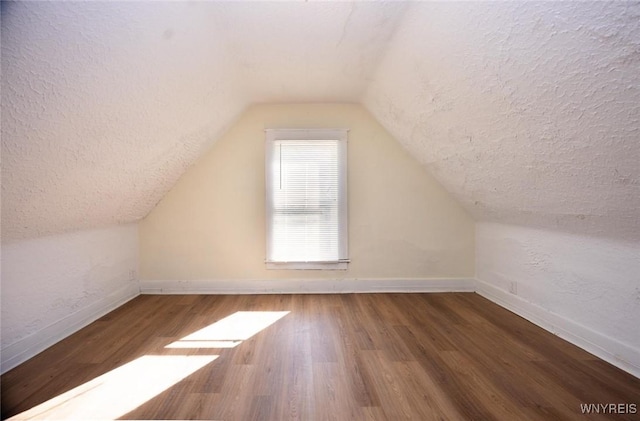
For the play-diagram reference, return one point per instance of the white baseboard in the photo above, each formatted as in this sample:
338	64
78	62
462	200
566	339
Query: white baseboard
617	353
25	348
306	286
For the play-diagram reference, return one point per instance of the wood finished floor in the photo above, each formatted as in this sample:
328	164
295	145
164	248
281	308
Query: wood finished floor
450	356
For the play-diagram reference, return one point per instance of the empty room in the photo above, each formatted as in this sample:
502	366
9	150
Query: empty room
310	210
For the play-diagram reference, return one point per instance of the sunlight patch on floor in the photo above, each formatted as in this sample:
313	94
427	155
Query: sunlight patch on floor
231	330
126	388
119	391
203	344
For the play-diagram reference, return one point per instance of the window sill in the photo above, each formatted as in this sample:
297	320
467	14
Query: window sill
340	265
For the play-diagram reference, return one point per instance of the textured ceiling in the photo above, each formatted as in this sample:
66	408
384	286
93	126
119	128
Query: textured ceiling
527	113
104	105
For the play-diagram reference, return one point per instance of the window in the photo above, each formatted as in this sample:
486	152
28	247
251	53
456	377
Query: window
306	198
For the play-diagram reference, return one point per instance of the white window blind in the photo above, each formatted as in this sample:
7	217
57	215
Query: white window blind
306	198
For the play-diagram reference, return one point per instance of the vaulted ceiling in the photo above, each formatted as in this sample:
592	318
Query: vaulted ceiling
528	113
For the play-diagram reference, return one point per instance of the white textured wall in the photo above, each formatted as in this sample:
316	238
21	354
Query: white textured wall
587	289
51	286
527	112
104	105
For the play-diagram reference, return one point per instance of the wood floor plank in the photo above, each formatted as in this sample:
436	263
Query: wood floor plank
453	356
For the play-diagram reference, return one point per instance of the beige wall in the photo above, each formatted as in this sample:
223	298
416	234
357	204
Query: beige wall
211	224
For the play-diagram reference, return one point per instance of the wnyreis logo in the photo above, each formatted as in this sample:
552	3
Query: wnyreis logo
608	408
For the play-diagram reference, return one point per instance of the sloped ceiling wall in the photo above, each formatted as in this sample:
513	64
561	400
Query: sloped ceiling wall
104	105
527	112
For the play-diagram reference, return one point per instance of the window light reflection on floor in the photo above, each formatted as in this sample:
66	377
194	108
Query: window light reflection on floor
203	344
230	331
119	391
126	388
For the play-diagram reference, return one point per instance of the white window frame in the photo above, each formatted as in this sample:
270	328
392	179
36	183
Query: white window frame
341	135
